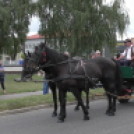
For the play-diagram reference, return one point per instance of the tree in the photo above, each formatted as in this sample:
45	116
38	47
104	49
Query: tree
4	26
19	12
84	25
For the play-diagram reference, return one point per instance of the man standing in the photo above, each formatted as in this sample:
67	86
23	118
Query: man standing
98	53
67	53
128	54
2	78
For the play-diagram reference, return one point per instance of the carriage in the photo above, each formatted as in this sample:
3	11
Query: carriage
128	84
80	75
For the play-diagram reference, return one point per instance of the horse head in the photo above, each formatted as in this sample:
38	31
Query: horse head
25	71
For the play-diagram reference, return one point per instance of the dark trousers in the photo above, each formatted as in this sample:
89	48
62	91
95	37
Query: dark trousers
2	85
125	63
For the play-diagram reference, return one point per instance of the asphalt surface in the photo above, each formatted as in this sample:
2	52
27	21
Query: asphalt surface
41	122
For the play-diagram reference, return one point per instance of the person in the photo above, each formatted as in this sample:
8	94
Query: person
21	62
93	55
67	53
2	78
98	53
128	54
45	84
45	87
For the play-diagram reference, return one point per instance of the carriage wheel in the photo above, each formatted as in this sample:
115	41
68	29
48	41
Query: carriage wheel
125	100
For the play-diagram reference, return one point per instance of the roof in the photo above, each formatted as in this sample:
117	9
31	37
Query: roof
36	36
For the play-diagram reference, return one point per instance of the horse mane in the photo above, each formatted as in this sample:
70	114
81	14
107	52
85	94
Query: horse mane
56	56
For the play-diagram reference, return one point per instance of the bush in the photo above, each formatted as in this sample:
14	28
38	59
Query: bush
22	55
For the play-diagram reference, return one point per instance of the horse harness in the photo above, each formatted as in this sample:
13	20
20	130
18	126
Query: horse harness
71	74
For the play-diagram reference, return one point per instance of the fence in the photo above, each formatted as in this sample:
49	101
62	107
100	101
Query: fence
12	63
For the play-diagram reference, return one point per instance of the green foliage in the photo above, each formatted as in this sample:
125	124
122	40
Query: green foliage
14	23
19	87
22	56
82	26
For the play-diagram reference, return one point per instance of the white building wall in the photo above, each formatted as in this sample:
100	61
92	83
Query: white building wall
31	43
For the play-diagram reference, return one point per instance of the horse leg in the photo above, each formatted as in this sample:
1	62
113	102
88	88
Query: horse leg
112	100
77	106
87	99
109	87
53	89
62	99
109	111
114	104
78	97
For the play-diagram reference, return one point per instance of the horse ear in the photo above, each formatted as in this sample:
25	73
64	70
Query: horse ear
29	54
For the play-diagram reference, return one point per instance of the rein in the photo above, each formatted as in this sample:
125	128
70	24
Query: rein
65	76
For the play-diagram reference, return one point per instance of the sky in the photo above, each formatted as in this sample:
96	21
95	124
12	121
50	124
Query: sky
129	5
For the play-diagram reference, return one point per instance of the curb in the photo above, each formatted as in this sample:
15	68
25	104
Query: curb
30	108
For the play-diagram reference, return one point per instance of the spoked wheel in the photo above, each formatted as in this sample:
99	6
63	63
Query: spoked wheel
125	92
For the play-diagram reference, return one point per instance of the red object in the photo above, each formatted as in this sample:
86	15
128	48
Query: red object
128	90
44	53
44	59
36	36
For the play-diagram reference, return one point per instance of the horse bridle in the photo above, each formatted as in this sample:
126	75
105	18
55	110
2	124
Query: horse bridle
36	62
71	75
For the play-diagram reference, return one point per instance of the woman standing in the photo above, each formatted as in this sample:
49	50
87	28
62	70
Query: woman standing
2	77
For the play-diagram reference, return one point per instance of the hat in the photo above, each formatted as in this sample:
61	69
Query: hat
97	51
127	40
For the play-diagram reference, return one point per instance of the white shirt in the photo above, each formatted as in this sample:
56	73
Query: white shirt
127	52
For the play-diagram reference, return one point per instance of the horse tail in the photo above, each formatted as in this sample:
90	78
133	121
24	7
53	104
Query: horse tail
119	78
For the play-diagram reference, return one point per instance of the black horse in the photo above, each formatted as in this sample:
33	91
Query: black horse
72	76
26	75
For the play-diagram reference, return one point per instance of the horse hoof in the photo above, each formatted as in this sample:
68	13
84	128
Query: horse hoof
86	117
54	114
110	113
60	121
76	108
114	110
59	116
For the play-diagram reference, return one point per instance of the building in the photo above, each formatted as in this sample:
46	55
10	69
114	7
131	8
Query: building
33	41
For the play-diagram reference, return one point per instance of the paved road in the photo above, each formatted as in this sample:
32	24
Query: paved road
41	122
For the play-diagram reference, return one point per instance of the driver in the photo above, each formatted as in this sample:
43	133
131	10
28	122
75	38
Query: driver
128	54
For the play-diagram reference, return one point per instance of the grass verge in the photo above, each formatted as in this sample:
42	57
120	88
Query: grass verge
19	87
36	100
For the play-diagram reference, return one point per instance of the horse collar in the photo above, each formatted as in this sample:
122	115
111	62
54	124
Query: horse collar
44	56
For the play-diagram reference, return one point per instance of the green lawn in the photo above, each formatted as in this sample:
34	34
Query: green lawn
19	87
37	100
